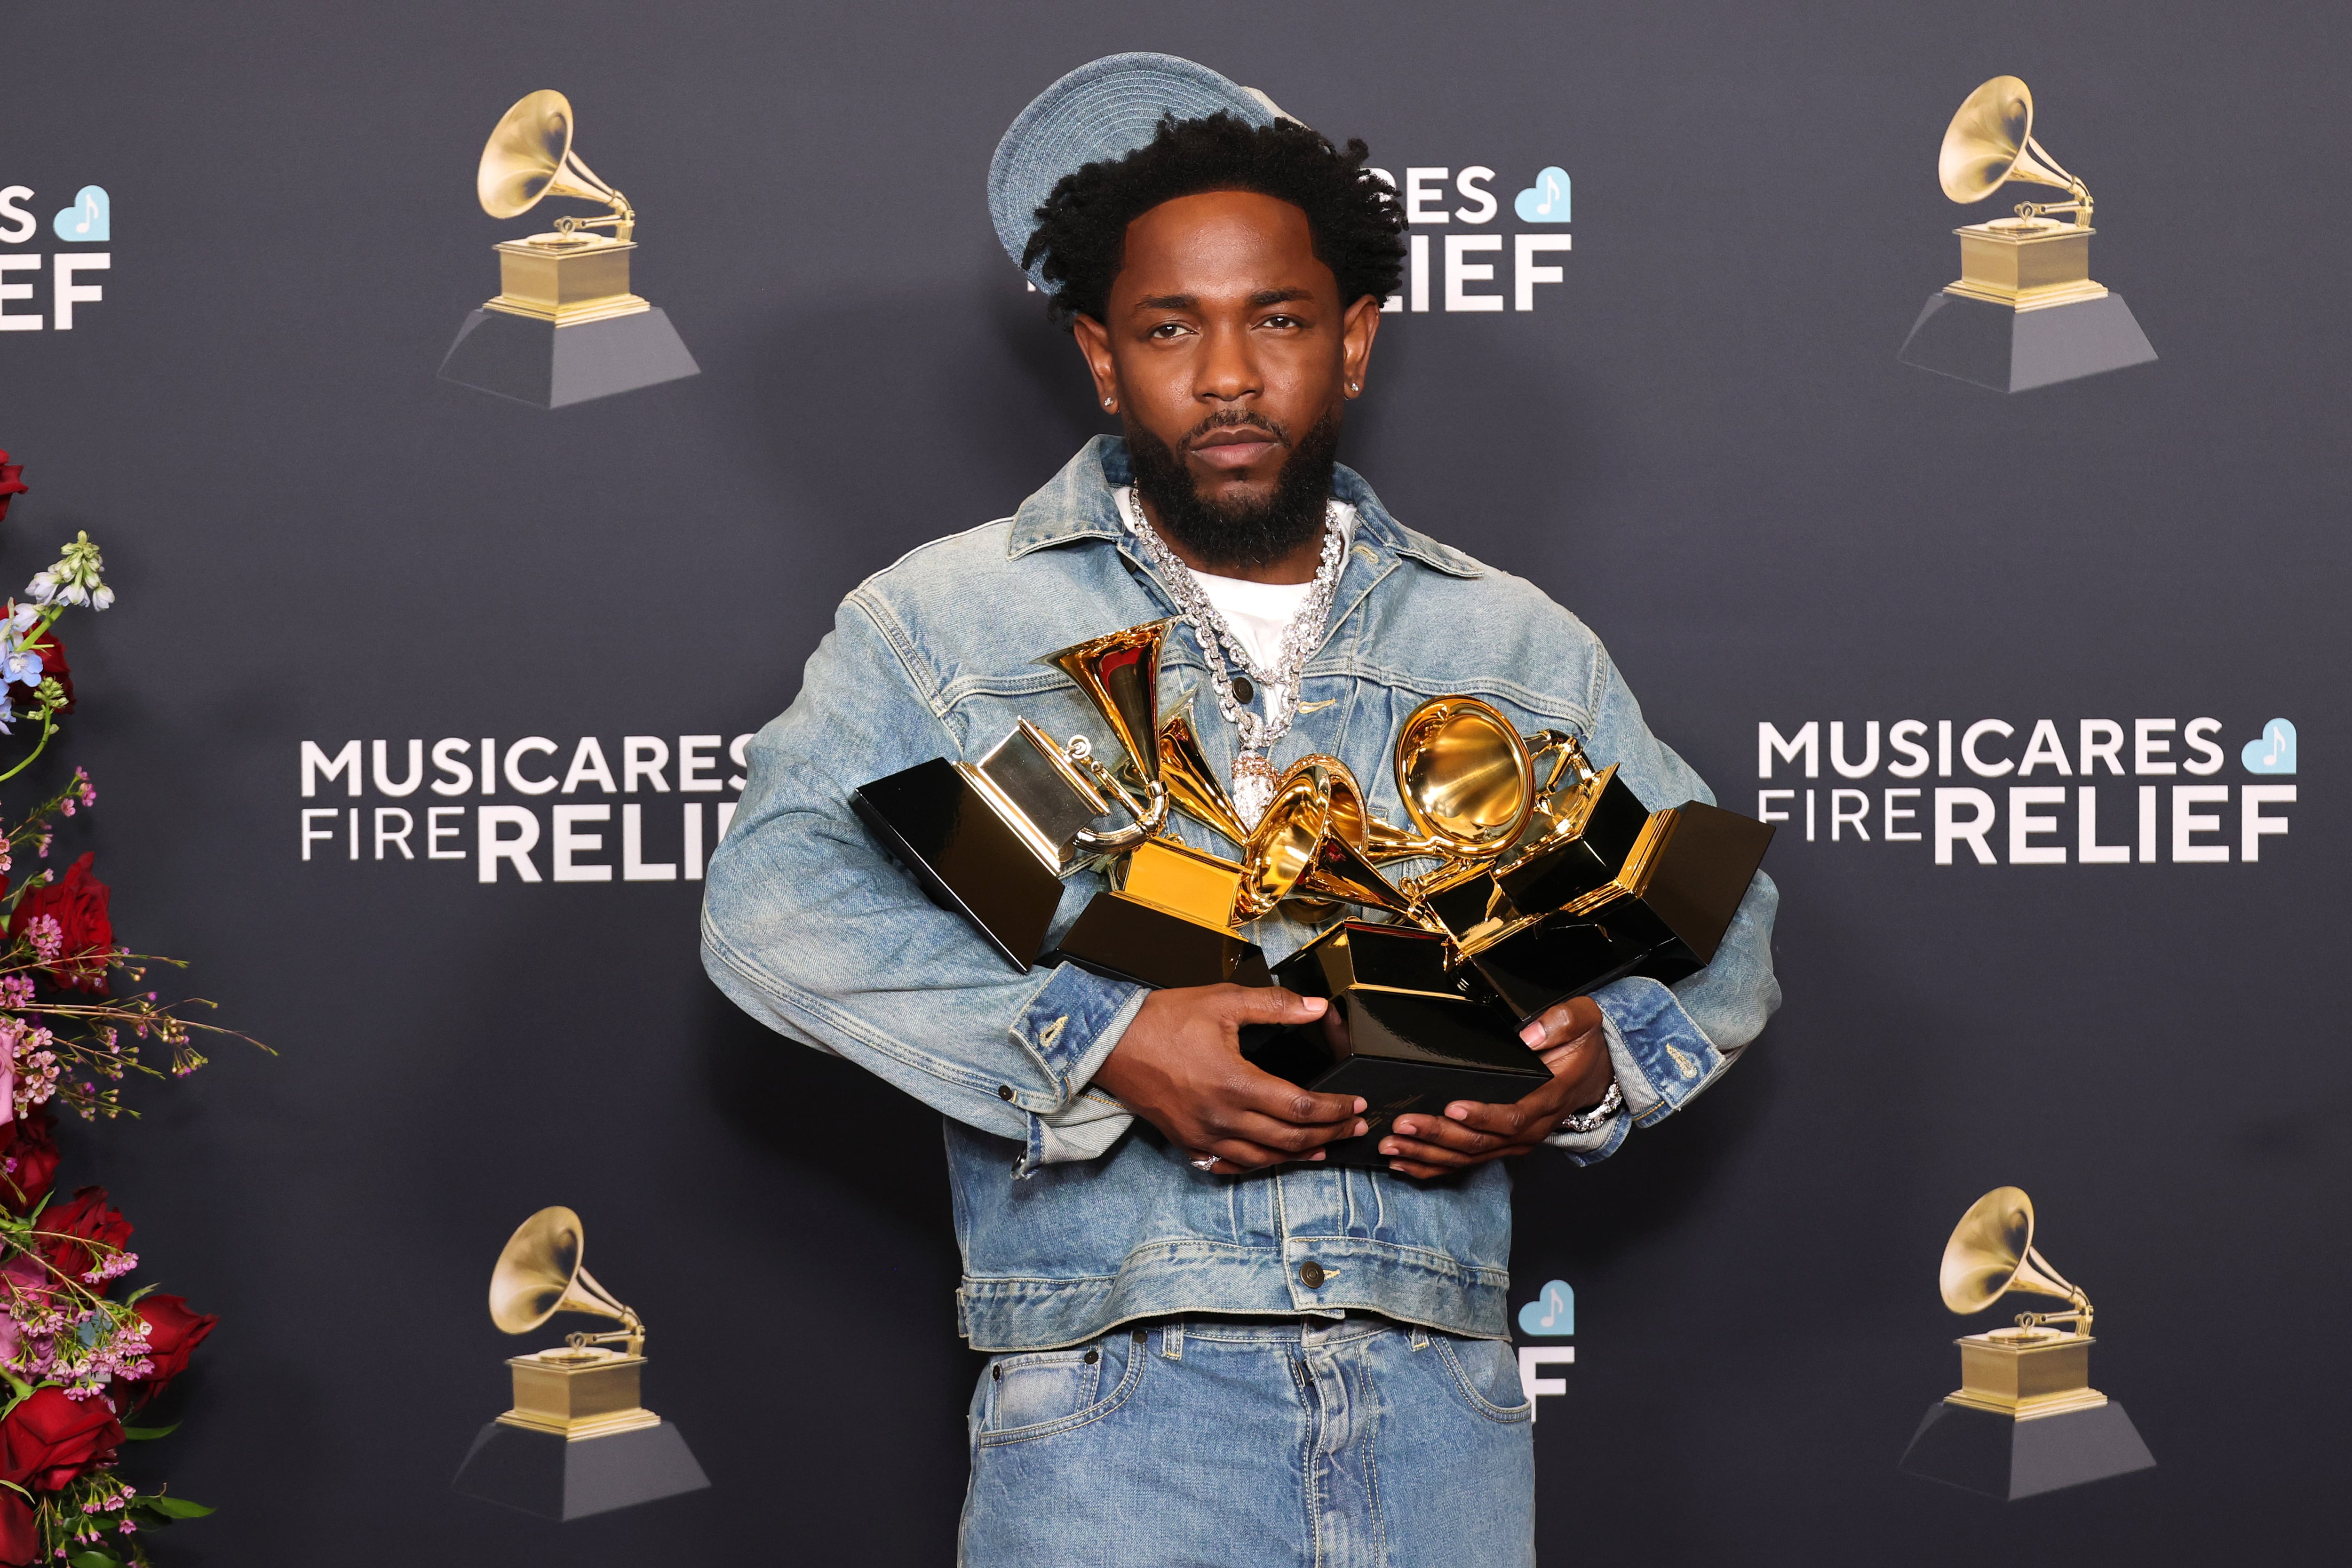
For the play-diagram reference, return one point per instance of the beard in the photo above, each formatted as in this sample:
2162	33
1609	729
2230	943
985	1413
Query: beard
1250	533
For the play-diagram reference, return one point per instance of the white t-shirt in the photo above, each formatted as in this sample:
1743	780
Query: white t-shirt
1258	613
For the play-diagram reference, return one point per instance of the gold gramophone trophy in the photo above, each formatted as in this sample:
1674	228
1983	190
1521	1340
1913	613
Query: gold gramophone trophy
2025	1418
991	840
564	326
2025	311
1553	889
567	1398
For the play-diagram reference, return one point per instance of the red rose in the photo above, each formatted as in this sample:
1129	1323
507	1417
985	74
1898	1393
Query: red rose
172	1334
79	905
28	1161
11	487
20	1543
49	1440
53	663
80	1235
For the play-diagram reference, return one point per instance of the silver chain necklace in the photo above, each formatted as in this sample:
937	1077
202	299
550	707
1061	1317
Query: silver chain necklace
1253	774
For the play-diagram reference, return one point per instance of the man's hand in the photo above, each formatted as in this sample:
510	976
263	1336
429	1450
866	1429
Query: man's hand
1570	1040
1180	1068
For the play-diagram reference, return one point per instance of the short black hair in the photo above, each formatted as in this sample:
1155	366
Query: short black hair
1357	226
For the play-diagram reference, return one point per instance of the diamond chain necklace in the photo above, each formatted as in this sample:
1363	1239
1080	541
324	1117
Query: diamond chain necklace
1253	774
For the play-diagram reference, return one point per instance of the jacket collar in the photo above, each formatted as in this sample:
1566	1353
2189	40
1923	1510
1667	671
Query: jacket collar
1079	503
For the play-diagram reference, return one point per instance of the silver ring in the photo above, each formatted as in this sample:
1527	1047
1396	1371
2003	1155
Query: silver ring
1205	1163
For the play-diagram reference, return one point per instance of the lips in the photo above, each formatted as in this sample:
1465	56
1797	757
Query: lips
1233	448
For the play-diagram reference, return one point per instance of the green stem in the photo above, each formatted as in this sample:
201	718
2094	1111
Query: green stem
48	728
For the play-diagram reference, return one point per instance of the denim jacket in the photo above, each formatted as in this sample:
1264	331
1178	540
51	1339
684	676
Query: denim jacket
1073	1216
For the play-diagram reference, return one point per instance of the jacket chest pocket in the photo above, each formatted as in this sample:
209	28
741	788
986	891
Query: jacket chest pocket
1034	1389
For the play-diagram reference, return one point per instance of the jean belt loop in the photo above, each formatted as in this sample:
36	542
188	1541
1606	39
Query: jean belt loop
1172	1341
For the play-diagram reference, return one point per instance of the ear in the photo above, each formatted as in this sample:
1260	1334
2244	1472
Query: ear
1094	343
1358	328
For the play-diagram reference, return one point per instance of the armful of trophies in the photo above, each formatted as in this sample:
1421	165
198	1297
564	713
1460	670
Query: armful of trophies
1551	880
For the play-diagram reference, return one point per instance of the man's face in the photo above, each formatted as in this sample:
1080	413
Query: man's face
1227	340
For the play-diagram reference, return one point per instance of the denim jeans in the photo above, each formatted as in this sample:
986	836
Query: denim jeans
1212	1444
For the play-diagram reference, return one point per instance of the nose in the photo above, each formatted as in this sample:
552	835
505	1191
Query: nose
1228	371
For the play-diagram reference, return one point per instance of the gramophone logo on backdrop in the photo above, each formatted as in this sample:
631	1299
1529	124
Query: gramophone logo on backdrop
2024	312
87	220
563	327
2025	1418
577	1441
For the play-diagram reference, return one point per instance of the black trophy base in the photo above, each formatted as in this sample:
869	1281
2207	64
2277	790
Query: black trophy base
1690	895
966	858
1127	939
1999	1455
550	366
545	1474
1403	1031
2016	350
1566	871
1548	963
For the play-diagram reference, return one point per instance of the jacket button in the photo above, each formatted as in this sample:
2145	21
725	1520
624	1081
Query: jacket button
1004	1091
1310	1274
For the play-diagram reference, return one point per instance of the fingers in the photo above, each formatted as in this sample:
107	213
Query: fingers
1267	1132
1561	1024
1271	1004
1233	1156
1283	1100
1469	1133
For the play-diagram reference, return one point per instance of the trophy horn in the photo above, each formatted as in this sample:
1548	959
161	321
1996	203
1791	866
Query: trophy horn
1119	674
1301	848
1191	780
529	158
1991	1253
1466	779
540	1272
1990	142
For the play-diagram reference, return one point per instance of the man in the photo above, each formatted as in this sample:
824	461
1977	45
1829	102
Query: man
1210	1347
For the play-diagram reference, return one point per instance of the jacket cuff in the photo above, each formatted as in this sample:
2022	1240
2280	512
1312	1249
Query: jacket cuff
1070	1028
1663	1056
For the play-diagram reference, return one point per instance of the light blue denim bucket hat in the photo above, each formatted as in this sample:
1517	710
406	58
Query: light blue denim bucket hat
1104	109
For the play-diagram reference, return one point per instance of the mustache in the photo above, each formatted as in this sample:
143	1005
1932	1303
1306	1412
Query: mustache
1234	419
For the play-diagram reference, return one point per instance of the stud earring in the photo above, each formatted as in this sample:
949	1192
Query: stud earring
1110	403
1354	387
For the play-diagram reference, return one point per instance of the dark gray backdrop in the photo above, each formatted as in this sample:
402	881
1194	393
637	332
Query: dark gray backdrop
1701	442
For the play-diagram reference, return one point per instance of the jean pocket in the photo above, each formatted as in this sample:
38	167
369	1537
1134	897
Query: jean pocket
1486	1372
1038	1394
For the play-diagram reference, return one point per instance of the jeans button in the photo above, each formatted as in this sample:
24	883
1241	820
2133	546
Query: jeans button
1310	1274
1092	1357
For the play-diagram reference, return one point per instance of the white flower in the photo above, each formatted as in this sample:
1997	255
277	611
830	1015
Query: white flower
73	578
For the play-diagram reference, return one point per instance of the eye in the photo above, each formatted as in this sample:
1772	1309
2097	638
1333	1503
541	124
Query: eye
1167	330
1283	322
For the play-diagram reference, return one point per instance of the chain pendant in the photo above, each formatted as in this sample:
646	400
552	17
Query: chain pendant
1253	781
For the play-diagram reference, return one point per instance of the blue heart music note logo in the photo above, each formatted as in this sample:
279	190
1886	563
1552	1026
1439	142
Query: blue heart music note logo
87	220
2273	751
1552	1312
1546	201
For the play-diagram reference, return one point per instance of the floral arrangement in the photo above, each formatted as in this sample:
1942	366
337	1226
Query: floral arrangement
77	1360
